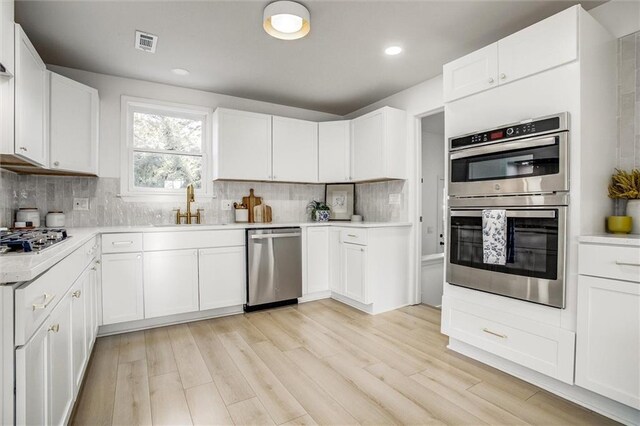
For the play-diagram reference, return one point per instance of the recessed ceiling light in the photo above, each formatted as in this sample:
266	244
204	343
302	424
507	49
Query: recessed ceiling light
286	20
180	71
393	50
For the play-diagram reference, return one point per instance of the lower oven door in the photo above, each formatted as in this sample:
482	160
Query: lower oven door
535	255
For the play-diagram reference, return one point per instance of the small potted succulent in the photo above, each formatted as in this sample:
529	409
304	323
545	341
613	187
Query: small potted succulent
319	211
624	189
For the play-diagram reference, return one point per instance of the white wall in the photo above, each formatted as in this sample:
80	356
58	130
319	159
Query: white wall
620	17
112	88
432	170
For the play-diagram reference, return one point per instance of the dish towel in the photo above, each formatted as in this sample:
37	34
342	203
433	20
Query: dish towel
494	237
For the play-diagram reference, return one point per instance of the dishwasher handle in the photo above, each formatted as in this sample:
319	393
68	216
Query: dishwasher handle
269	236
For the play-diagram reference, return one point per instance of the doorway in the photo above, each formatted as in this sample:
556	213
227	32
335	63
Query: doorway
432	195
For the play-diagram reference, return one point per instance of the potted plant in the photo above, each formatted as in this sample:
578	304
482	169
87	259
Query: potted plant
319	211
625	188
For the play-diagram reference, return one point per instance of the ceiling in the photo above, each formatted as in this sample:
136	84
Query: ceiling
339	67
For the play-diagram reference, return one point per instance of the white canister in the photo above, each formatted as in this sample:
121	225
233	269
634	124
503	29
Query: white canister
54	220
29	214
242	215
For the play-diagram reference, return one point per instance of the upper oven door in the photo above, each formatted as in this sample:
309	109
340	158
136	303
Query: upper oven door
535	254
525	166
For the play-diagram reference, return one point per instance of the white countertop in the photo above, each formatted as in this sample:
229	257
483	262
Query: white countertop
632	240
25	267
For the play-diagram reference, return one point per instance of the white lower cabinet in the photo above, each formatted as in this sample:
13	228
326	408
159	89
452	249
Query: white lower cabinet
122	289
317	260
221	277
335	271
44	372
80	312
170	282
608	328
368	268
354	272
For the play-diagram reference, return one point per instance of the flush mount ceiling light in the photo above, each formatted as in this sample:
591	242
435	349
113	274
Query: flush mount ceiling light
180	71
286	20
393	50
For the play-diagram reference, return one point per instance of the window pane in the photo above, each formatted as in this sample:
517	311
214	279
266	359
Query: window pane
167	171
154	131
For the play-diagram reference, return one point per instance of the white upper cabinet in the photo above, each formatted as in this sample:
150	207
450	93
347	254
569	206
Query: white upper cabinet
547	44
73	126
241	145
544	45
378	145
334	144
6	35
472	73
7	47
31	142
295	150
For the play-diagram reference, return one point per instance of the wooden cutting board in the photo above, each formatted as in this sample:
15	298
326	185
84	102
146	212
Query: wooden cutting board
267	216
251	201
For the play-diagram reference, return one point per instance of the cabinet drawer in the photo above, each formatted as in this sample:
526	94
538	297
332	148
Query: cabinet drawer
354	236
35	301
621	263
154	241
121	243
548	350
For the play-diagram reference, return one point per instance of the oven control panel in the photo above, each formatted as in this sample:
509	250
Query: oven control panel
528	128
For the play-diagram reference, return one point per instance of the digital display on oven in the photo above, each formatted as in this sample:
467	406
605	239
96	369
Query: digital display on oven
496	135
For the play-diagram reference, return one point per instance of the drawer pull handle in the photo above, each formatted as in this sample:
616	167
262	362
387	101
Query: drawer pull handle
626	263
48	298
76	294
55	328
352	235
122	243
502	336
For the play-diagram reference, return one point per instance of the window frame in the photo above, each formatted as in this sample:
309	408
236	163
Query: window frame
131	105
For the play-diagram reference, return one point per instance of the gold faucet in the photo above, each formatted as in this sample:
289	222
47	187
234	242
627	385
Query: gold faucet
191	198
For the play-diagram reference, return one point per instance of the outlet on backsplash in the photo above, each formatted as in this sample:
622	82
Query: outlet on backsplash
81	204
226	204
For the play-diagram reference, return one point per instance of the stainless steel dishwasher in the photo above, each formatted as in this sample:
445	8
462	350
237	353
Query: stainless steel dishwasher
274	267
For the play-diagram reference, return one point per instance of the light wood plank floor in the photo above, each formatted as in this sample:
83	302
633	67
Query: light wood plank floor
316	363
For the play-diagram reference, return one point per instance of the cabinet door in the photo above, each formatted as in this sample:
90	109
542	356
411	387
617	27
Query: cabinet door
295	150
222	279
73	126
31	101
471	74
354	272
608	338
7	91
60	370
334	144
79	318
544	45
336	284
122	292
92	304
367	149
32	380
317	260
170	282
242	145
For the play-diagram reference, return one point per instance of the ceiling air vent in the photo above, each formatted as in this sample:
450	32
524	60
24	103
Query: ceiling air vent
146	42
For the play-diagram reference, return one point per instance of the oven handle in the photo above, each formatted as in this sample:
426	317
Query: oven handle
504	147
536	214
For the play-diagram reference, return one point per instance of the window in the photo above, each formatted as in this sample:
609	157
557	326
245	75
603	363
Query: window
167	148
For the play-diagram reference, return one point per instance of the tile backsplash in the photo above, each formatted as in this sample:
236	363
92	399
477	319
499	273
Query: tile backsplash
289	201
629	101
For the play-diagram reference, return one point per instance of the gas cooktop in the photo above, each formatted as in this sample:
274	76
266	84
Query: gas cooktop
30	241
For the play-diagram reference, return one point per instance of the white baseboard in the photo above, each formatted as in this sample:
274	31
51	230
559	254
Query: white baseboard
592	401
315	296
125	327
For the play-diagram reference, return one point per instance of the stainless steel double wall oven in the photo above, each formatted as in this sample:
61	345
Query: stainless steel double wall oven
522	168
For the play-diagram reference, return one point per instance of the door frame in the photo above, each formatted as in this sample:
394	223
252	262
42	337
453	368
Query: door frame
416	212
